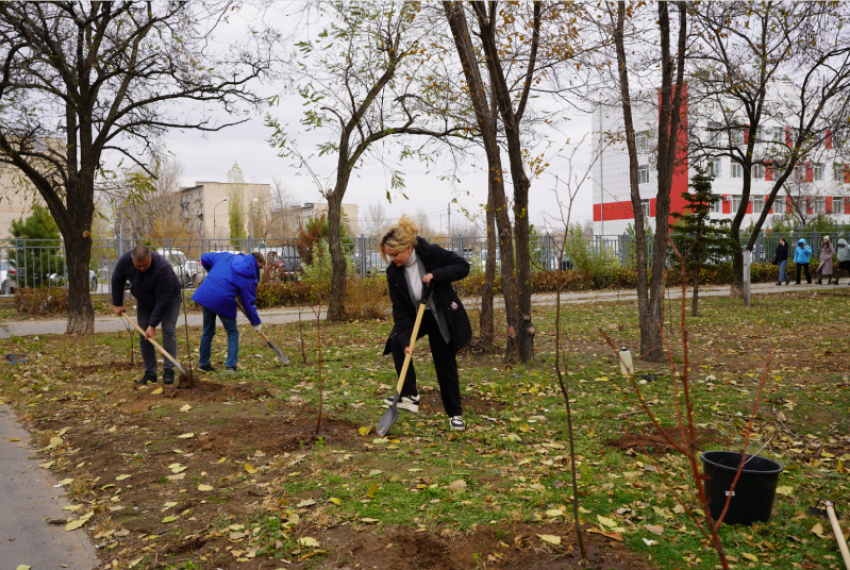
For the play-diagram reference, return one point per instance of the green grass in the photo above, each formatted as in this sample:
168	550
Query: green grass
516	468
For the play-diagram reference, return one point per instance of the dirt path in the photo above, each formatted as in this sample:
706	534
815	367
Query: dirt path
29	501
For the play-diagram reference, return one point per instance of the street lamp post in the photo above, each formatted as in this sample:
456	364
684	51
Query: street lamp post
215	236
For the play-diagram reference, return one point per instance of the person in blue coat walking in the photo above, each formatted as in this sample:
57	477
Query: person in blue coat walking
228	276
802	256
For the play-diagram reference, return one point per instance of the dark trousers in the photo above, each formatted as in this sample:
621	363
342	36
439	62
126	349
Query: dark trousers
445	363
169	334
805	267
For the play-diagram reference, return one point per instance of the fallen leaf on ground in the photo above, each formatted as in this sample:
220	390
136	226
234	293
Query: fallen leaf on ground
186	436
156	392
550	538
308	541
122	477
205	488
167	520
186	408
786	490
818	530
654	529
250	468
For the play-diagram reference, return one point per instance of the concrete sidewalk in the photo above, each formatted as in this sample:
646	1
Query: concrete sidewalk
28	500
289	315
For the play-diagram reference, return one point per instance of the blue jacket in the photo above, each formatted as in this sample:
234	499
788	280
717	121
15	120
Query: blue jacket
229	275
802	254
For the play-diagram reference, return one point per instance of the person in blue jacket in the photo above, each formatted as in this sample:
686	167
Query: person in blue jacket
802	256
228	276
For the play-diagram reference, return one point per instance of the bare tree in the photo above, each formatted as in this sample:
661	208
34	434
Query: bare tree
770	93
376	219
368	76
670	135
81	81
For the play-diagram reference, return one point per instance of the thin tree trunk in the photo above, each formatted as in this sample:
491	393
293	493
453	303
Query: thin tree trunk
336	305
486	320
695	300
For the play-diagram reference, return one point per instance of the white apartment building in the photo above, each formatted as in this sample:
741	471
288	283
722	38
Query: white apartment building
820	185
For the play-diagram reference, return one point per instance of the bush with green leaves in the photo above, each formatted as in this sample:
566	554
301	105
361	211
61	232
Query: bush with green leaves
321	269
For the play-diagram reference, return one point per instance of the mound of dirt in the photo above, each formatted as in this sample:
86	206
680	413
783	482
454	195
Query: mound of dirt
513	546
273	436
204	391
653	443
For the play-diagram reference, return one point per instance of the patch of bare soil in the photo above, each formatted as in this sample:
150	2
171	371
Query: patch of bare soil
273	436
653	443
204	391
515	546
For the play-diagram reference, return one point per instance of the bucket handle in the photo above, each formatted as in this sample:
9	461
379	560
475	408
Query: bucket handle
757	452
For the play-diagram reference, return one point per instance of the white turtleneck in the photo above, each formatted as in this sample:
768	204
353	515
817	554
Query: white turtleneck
414	278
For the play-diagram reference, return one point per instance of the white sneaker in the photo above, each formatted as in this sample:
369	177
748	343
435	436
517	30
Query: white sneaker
457	423
411	404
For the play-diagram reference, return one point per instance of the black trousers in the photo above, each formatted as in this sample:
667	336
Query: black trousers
804	266
445	363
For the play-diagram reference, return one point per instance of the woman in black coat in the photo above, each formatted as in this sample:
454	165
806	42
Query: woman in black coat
414	264
780	258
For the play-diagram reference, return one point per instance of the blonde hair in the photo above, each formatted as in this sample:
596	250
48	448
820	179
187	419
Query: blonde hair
399	236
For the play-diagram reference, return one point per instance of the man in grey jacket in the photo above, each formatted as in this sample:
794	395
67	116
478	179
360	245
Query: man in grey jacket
157	291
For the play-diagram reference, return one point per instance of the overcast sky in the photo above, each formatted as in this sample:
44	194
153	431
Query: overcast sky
208	157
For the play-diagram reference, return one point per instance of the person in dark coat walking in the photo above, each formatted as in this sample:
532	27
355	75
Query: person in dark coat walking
825	259
157	291
780	258
843	256
229	275
414	264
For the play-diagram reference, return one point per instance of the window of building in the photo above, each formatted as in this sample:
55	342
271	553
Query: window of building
819	205
779	134
737	170
818	172
799	173
714	167
779	205
758	172
736	203
642	142
838	172
737	136
717	207
758	204
643	174
644	205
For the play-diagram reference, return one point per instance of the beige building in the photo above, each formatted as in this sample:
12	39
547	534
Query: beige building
17	197
205	206
312	210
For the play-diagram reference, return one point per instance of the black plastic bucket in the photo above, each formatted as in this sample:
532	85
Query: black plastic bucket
752	499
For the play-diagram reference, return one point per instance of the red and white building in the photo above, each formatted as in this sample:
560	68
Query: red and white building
821	185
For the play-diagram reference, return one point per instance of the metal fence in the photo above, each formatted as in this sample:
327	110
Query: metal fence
41	263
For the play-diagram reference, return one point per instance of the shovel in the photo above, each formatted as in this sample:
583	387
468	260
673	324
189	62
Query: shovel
156	345
391	415
277	351
836	530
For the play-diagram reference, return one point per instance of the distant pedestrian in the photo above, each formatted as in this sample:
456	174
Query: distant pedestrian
843	259
802	256
229	276
780	258
157	291
825	265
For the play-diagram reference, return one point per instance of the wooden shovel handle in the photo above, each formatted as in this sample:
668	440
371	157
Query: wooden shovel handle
839	536
150	340
409	355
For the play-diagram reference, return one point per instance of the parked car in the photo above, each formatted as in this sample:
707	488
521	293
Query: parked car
186	271
57	280
375	264
8	283
286	258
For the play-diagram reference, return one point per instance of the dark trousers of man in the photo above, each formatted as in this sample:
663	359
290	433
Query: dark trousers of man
169	334
445	363
804	266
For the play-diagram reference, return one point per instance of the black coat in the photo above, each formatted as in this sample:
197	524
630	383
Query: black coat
155	288
781	254
446	267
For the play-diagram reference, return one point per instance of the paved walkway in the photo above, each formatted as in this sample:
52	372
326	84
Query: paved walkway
28	500
289	315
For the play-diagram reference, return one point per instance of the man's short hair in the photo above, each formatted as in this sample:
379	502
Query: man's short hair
141	253
259	257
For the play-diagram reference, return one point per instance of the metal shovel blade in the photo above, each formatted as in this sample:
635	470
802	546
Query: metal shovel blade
180	368
280	354
389	418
